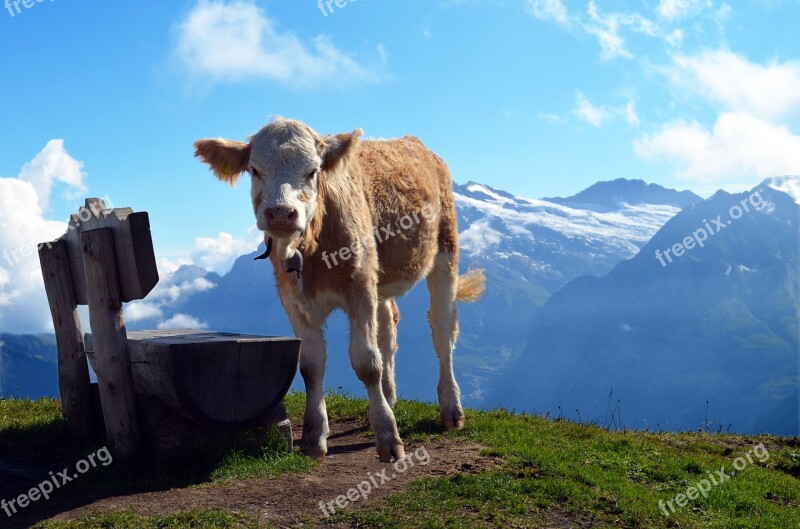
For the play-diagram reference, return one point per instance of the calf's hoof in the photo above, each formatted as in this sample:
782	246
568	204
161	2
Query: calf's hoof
386	453
453	419
315	452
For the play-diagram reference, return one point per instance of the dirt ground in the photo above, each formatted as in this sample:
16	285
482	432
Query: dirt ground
295	498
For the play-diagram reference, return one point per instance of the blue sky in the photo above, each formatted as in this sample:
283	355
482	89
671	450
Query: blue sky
536	97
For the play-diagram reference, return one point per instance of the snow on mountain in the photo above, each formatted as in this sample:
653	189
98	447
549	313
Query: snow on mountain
529	248
713	336
624	230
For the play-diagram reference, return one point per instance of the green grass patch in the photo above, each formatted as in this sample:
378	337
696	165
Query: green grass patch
240	465
213	519
552	469
611	479
34	425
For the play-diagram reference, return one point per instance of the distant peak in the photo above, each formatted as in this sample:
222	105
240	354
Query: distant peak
613	194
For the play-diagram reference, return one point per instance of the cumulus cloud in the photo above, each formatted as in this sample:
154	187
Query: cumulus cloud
740	149
729	80
218	253
142	310
215	254
233	40
754	135
23	225
54	165
183	321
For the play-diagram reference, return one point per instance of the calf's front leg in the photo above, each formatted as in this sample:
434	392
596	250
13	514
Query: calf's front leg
314	442
365	356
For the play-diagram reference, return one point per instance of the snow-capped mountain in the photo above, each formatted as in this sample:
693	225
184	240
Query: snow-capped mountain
712	334
549	242
529	248
608	196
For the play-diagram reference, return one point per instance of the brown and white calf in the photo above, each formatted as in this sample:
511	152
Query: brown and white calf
370	219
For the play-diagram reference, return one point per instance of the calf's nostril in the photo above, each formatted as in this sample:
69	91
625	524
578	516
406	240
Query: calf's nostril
281	213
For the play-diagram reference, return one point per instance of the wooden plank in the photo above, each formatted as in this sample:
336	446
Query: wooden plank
73	373
115	381
133	248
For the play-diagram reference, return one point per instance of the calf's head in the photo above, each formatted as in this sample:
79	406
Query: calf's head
286	160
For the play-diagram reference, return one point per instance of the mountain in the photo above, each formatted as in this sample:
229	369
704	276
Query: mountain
684	334
529	248
608	196
28	366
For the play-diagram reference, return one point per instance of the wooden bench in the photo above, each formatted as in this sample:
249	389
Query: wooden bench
156	389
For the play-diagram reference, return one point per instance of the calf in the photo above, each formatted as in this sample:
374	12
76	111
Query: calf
353	225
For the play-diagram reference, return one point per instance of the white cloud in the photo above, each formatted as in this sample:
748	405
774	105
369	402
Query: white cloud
675	38
630	114
597	115
612	28
217	254
233	40
183	321
53	164
588	112
740	149
168	291
607	28
23	225
677	9
551	118
549	10
721	16
141	310
770	91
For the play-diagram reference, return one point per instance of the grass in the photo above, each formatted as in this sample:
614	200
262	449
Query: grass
36	431
552	470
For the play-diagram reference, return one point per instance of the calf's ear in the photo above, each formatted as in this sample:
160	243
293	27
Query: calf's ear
338	149
228	159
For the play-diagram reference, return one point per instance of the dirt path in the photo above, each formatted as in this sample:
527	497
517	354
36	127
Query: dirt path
295	498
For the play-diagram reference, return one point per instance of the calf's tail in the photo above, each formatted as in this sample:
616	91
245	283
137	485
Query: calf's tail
471	286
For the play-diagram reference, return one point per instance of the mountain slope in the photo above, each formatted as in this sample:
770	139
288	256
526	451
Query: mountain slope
529	248
28	366
718	324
